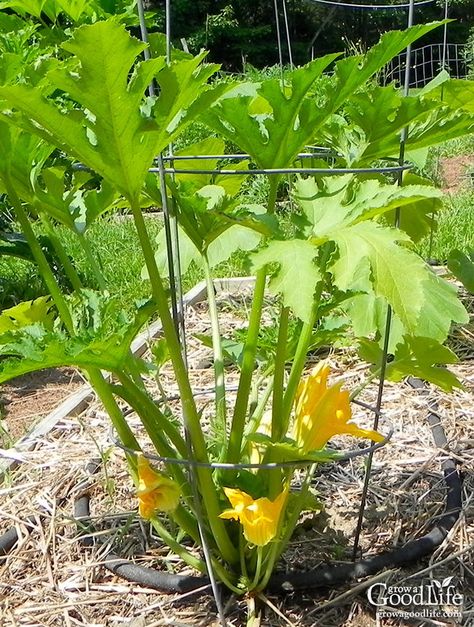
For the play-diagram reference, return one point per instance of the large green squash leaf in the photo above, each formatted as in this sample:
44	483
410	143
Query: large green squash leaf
371	258
270	122
113	132
373	119
102	339
372	262
273	122
338	201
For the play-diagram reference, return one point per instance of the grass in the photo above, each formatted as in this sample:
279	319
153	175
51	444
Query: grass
455	228
117	247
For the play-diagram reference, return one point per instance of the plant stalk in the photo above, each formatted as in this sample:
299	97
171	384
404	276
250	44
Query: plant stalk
249	352
219	373
279	375
92	261
178	548
43	265
190	413
95	376
69	269
152	418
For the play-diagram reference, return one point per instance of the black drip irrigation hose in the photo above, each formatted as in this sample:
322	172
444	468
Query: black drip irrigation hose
9	539
323	576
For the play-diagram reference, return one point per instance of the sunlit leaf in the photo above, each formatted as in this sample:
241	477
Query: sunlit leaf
27	313
114	132
286	124
297	275
462	266
103	338
417	356
338	201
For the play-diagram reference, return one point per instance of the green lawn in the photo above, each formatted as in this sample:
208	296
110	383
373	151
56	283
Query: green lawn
116	244
455	228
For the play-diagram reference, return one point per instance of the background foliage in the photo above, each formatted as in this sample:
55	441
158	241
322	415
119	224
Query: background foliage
237	30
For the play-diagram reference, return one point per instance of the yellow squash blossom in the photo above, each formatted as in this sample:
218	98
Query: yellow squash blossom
259	517
322	412
155	491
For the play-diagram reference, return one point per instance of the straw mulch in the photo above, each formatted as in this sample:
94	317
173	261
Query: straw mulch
50	579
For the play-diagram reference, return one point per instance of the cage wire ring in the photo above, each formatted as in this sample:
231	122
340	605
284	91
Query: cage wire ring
333	455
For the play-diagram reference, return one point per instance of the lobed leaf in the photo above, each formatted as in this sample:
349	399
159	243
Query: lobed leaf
297	275
338	201
417	356
113	132
271	122
103	338
462	266
27	313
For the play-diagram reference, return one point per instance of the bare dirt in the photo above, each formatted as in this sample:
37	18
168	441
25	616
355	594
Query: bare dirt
26	400
455	173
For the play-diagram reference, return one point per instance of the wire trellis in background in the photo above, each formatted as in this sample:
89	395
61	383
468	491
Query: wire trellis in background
426	63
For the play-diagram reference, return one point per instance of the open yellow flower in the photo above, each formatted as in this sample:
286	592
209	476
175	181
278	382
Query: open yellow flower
322	412
156	492
259	518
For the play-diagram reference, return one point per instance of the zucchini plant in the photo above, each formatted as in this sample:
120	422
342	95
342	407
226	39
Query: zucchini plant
343	254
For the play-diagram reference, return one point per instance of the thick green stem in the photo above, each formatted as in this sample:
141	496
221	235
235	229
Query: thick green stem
152	418
258	568
92	261
104	392
279	376
177	548
95	376
249	352
248	367
67	265
219	374
43	265
291	523
190	413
